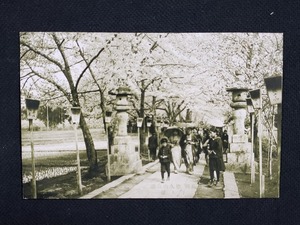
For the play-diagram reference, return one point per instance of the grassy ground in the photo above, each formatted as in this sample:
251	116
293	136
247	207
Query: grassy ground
56	170
58	178
248	190
58	137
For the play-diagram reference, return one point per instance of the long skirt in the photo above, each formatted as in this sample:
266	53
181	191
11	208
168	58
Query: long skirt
176	156
217	164
189	158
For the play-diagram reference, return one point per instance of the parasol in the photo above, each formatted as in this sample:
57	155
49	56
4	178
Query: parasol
170	131
186	125
215	122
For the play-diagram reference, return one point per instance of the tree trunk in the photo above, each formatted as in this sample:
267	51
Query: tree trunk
154	106
103	109
142	129
142	105
89	143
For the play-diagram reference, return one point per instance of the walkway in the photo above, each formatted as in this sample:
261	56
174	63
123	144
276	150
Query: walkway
182	185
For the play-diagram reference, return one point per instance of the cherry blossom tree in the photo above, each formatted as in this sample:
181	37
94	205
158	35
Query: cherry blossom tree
53	61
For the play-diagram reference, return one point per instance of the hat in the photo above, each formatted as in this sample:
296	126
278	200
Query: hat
164	140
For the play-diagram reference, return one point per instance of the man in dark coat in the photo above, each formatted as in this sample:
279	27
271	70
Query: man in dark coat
152	145
216	163
225	141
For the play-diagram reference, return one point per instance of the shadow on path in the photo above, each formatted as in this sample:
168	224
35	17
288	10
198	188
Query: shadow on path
204	191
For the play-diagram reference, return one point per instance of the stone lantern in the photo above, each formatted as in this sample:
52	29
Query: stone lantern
239	106
124	158
122	106
240	149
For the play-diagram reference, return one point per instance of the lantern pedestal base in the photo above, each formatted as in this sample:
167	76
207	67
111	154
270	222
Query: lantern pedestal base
239	138
239	164
124	158
239	158
240	147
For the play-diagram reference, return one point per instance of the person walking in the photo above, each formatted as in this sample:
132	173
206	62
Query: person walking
165	157
214	149
225	141
198	137
188	146
205	141
176	150
152	145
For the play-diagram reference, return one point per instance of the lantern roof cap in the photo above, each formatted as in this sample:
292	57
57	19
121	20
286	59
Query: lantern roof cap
237	89
238	86
122	90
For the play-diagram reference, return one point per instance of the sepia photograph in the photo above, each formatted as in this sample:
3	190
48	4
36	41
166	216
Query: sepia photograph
150	115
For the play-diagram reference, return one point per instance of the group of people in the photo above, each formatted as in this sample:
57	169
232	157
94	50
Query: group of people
187	148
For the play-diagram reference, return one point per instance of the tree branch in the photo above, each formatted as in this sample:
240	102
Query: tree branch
28	50
171	64
66	71
88	65
59	46
90	69
43	55
50	81
151	82
24	84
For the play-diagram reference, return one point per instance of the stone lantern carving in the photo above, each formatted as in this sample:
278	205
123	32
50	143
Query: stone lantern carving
240	149
122	106
239	106
125	158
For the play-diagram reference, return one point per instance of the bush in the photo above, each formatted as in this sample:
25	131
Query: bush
64	126
266	147
94	123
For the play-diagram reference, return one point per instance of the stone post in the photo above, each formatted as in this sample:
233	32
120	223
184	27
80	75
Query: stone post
239	158
124	157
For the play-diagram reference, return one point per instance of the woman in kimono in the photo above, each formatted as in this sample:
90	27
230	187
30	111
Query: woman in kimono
188	145
176	150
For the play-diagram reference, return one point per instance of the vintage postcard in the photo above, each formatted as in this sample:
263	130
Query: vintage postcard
150	115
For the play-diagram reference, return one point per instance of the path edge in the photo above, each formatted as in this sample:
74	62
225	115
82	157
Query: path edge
116	182
230	187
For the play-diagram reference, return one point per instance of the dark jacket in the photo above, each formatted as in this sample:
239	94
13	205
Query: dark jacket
225	140
216	146
164	154
152	142
183	141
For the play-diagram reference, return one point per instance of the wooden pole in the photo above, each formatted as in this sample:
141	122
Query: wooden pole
263	186
139	143
78	162
47	115
148	148
271	149
279	142
252	150
108	155
33	181
260	153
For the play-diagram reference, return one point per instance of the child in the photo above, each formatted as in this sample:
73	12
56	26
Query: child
165	156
